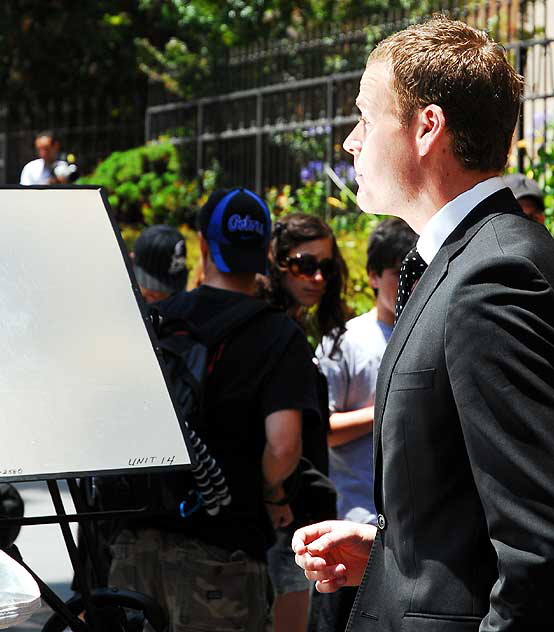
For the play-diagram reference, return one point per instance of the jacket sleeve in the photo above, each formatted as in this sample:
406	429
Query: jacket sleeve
499	342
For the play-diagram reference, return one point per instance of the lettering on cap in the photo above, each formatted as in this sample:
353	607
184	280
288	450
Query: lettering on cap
245	225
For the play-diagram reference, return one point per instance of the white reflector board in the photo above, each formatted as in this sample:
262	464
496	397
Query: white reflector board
81	387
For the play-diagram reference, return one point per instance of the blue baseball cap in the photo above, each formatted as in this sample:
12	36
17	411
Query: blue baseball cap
237	226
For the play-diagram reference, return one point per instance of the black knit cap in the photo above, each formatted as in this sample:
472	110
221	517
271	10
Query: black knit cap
159	259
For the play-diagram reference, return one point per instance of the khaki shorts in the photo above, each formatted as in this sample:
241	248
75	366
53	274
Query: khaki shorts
203	588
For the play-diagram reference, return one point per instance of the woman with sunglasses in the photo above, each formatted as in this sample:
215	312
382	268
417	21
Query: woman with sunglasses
307	277
307	270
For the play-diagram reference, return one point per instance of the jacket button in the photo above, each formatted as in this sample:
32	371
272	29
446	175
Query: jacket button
381	522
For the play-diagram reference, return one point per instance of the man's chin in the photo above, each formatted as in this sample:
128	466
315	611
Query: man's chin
368	204
365	203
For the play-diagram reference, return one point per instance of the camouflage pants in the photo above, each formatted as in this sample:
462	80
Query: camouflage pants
202	587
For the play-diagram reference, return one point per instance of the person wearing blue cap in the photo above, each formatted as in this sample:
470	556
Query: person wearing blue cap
210	573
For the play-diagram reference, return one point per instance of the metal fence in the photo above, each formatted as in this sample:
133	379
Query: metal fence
284	133
90	128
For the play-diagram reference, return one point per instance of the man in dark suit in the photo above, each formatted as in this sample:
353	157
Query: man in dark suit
464	415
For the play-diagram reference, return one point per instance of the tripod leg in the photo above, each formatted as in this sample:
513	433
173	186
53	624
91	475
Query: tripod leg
80	575
87	531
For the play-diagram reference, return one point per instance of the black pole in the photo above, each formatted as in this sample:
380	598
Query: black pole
80	575
86	527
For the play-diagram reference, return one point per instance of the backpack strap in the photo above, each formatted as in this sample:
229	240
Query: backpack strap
216	329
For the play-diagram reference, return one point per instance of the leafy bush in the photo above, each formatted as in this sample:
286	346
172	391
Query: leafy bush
352	233
144	185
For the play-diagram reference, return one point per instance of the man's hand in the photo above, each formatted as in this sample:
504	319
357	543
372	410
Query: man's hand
334	553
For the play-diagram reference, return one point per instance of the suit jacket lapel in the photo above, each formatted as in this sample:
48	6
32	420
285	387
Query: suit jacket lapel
419	297
502	201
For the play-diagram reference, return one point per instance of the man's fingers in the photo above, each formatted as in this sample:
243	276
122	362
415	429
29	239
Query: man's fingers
330	586
316	569
325	543
307	535
329	574
312	563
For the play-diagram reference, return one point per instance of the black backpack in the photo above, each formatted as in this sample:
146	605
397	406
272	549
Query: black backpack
189	353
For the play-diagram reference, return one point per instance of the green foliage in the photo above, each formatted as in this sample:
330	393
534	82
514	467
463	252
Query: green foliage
312	198
144	186
352	232
198	33
50	48
304	144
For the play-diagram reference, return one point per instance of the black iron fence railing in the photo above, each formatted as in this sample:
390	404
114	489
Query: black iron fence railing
337	47
284	134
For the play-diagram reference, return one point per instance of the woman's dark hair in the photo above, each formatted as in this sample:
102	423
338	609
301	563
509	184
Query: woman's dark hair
288	233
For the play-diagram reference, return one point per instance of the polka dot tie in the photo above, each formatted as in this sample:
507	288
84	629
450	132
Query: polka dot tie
411	270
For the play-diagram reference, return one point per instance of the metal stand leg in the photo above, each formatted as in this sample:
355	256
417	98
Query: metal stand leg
80	575
87	529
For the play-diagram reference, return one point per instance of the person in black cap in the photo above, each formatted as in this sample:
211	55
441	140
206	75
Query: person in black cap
528	194
159	262
211	572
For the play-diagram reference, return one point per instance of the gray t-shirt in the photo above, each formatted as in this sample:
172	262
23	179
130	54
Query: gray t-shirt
352	376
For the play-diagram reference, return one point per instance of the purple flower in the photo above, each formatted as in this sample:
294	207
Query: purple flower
316	167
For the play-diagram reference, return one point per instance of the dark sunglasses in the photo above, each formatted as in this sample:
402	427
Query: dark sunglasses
306	265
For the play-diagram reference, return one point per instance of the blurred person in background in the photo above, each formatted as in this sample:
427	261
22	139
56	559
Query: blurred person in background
307	277
529	195
209	572
159	262
47	168
351	372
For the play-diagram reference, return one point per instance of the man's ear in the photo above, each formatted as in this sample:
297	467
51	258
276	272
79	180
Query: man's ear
204	249
431	128
374	278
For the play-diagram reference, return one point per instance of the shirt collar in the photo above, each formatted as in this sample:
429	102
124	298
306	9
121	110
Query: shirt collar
445	220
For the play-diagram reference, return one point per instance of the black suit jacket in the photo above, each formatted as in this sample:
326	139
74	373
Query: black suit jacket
464	439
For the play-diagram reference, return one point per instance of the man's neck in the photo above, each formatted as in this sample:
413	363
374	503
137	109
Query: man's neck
439	191
245	284
383	314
